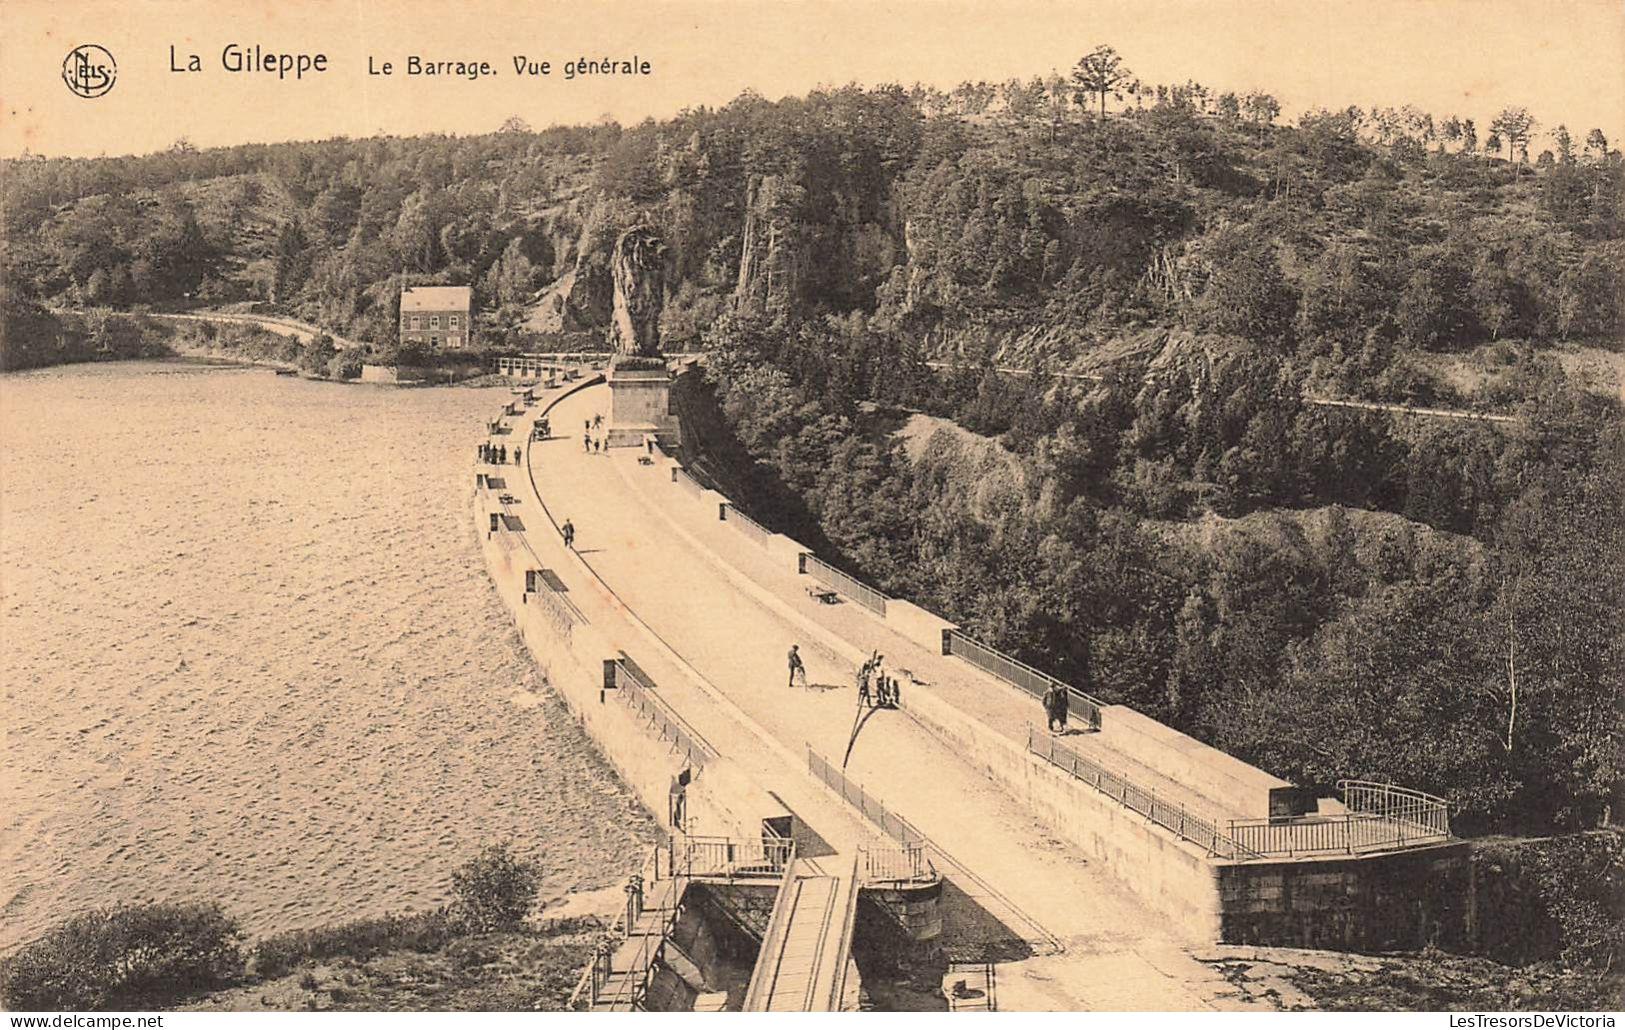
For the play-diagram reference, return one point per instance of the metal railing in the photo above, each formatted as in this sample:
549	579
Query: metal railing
554	610
629	993
1425	812
843	941
729	857
681	477
841	583
1380	817
661	717
906	863
1020	674
1171	816
759	982
890	823
752	529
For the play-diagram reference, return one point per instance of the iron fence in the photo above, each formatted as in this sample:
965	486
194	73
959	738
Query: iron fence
1379	817
1020	674
1424	812
890	823
777	924
906	863
553	609
681	477
638	692
1172	816
729	857
753	530
841	583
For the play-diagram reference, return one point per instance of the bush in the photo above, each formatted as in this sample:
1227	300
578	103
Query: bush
123	958
346	364
361	939
317	354
1581	879
494	891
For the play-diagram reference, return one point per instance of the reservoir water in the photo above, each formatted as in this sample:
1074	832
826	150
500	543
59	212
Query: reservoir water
249	653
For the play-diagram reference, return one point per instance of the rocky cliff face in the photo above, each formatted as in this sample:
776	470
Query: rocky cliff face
772	251
637	265
799	252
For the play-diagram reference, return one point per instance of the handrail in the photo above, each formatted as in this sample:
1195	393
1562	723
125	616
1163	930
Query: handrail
1169	815
844	942
640	694
840	582
682	478
1018	673
561	618
1379	817
906	863
731	857
643	960
890	823
775	926
752	529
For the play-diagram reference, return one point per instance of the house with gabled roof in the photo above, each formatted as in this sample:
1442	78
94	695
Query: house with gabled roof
437	317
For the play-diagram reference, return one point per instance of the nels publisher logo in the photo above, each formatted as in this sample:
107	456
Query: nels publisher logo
89	70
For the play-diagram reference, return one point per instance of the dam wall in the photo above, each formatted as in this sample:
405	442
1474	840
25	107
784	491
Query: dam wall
717	796
1400	898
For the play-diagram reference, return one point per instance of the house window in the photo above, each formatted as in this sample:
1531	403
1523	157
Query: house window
453	323
417	323
454	340
434	341
434	321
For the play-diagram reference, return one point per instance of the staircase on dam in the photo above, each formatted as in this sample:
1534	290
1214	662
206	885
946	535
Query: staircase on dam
802	964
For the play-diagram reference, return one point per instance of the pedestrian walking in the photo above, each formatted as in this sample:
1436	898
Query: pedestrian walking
586	442
568	530
864	672
597	421
502	454
586	425
797	670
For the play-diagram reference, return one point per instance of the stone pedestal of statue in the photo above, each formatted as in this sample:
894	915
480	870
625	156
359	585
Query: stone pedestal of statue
640	403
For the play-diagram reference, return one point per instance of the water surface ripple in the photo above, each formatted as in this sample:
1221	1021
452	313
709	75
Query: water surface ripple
249	652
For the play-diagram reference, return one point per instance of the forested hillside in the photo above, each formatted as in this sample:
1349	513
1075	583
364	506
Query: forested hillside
1325	592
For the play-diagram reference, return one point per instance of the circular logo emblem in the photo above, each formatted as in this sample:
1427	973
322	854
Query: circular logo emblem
89	70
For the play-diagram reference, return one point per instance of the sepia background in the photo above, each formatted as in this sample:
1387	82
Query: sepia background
1470	56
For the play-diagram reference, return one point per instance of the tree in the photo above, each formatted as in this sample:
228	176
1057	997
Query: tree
1597	144
1514	126
318	354
1565	144
493	890
514	123
1261	109
292	262
1099	72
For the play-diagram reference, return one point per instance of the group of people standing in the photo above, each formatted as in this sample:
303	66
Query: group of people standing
877	688
1055	704
590	443
497	454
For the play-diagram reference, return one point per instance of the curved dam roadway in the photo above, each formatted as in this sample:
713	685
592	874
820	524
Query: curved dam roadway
729	613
